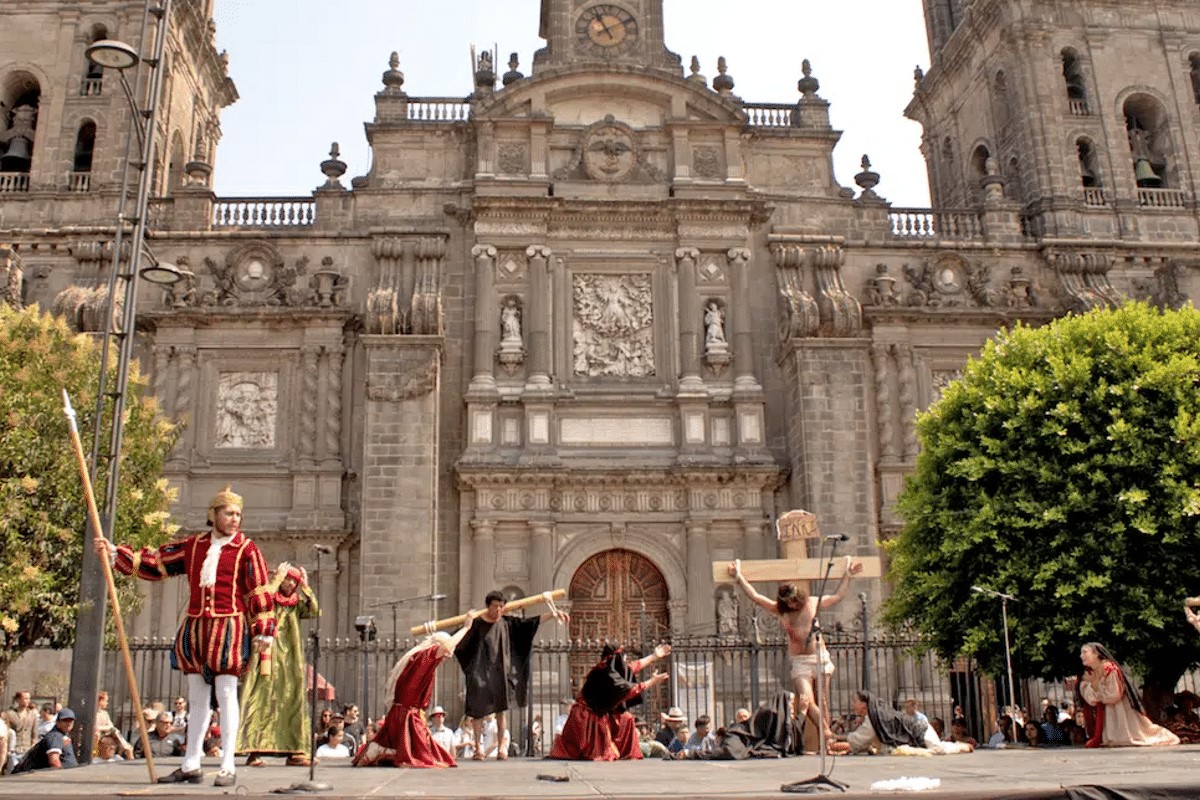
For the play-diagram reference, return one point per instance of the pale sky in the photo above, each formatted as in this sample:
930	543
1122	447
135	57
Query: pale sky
308	70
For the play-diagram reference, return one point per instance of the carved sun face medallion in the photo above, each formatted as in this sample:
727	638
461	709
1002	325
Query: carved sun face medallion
606	28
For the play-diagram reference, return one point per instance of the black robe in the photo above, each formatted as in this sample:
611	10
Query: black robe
495	662
894	728
608	684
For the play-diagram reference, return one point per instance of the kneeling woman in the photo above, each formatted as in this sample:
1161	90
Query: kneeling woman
599	727
403	739
1119	719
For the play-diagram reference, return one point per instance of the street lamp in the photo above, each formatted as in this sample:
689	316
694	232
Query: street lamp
1004	598
88	657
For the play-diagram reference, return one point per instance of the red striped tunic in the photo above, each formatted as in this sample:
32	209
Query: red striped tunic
214	637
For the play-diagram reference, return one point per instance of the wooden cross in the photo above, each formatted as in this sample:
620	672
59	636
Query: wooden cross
795	529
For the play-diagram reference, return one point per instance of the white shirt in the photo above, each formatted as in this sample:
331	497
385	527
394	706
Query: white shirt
325	751
560	722
465	736
443	736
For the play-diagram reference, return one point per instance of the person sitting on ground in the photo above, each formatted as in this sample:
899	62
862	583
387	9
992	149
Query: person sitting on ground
464	739
672	721
741	716
108	748
939	727
958	733
46	722
702	739
212	741
912	710
886	730
1003	737
1033	735
164	742
333	747
682	734
438	730
1052	732
651	747
54	750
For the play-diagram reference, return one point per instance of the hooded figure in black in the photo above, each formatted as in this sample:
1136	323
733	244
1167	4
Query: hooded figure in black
892	727
772	732
599	726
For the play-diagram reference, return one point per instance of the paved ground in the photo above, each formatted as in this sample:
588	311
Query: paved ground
1023	774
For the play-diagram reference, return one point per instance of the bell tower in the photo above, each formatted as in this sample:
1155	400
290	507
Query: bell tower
623	32
1085	117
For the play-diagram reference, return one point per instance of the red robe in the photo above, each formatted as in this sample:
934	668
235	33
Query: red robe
590	735
404	739
213	638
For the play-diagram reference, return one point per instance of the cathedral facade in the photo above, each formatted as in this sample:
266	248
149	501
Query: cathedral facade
598	326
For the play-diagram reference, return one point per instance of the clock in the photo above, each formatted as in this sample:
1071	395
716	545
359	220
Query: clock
606	28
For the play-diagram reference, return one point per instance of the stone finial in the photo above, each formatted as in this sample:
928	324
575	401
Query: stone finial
918	74
808	85
867	180
333	167
696	77
723	83
513	73
485	73
394	78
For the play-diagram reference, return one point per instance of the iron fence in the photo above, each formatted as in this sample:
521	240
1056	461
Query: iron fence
709	675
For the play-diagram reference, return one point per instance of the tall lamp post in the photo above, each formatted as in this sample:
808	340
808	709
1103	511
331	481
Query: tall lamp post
1004	598
88	657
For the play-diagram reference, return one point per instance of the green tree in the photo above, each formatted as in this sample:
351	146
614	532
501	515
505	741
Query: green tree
1063	467
42	510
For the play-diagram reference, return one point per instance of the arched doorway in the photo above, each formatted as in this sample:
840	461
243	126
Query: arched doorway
619	596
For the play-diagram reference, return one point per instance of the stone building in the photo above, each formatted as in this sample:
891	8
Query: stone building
597	326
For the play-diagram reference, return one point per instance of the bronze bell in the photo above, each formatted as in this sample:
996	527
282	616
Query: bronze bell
1145	174
18	157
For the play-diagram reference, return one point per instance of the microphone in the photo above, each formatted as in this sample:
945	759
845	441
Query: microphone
837	537
323	548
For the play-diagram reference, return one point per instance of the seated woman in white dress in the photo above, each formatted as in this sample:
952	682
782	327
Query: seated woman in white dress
1120	719
886	730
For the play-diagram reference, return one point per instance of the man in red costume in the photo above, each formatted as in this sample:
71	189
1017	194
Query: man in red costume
230	604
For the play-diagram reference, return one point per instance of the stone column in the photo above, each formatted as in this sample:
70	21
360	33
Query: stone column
699	575
185	357
689	337
743	337
484	535
485	346
541	555
309	354
539	318
908	400
335	357
539	133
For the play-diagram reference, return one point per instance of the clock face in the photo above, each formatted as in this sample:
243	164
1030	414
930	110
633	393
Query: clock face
607	28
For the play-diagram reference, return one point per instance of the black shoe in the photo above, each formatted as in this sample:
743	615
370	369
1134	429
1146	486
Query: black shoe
179	776
224	778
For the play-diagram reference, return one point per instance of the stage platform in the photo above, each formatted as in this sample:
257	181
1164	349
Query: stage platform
1128	774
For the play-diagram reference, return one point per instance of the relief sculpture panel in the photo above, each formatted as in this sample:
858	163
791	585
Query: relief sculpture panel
613	319
247	405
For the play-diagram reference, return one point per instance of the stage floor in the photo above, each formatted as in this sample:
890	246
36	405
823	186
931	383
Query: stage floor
1011	774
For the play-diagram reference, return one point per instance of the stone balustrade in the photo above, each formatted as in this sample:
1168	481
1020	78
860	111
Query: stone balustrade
769	115
438	109
79	182
934	225
1093	196
1162	198
264	212
14	182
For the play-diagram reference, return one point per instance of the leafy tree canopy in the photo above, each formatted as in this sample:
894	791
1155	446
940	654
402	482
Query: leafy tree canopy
1063	467
42	511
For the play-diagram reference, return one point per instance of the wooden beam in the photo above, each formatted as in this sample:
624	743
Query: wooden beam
796	569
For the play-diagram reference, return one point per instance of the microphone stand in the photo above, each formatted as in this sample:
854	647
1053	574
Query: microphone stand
432	598
821	782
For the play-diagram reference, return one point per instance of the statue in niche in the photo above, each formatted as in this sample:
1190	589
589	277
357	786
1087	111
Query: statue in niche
727	614
714	326
510	322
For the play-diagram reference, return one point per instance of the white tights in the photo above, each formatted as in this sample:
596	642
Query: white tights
198	714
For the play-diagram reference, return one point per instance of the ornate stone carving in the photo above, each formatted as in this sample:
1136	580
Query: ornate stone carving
12	278
409	375
716	346
706	162
255	274
939	379
841	313
881	290
908	399
881	355
1020	290
1161	290
511	158
608	151
308	401
727	613
247	406
328	286
799	315
613	332
950	281
183	293
1084	279
711	268
512	344
426	306
333	402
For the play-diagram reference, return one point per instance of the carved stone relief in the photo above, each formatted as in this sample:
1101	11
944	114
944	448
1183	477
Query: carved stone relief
256	275
510	158
939	379
612	325
247	406
609	151
706	162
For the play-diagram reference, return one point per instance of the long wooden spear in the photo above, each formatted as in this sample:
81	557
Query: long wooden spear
94	517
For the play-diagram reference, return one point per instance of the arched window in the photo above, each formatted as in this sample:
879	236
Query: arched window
1149	141
175	166
1089	171
93	74
21	96
980	157
1016	180
1072	71
1194	60
85	144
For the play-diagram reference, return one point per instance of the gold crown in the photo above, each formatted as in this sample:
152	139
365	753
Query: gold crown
225	497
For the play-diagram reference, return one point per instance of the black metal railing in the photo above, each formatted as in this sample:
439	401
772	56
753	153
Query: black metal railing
709	675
